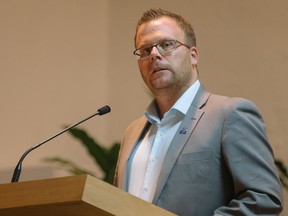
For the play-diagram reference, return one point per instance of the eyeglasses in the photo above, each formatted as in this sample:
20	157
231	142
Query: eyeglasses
162	47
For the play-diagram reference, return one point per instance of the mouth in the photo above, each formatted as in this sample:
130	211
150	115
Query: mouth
158	69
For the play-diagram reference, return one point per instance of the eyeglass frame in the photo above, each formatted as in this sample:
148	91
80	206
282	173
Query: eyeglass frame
138	55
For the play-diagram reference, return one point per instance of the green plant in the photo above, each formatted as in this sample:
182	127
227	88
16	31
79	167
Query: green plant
283	173
106	158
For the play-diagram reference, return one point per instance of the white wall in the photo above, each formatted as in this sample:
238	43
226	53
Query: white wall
53	68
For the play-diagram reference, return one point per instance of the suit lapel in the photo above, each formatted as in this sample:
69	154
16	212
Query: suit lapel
184	131
122	173
132	150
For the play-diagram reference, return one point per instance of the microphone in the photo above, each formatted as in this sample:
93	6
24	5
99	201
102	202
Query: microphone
102	111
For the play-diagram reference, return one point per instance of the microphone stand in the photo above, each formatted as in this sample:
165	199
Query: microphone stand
18	168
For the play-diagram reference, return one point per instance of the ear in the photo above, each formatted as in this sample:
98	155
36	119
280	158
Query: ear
194	55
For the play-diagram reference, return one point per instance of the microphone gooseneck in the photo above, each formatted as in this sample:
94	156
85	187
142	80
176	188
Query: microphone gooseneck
102	111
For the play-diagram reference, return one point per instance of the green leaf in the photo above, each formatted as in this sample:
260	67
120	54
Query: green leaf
283	173
106	158
98	153
112	158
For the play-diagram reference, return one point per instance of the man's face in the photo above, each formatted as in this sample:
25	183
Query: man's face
173	69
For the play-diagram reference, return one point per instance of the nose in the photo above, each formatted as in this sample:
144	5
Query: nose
154	54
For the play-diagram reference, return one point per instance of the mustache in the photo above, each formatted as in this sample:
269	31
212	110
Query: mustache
156	66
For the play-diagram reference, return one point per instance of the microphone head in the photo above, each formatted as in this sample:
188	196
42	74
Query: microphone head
103	110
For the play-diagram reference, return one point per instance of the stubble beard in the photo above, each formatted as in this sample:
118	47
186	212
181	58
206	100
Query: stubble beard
171	82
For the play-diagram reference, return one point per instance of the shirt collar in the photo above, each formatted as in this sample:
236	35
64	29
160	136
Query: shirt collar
182	104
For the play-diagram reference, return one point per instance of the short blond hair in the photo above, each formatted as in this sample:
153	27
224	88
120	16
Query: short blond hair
154	14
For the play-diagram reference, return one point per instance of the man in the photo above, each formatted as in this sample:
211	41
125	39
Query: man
193	153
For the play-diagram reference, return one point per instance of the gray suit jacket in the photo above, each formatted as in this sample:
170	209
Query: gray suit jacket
221	162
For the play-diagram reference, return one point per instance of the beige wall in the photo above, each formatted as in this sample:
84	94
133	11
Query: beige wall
61	60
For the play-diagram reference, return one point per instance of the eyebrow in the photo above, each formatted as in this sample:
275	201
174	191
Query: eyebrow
151	44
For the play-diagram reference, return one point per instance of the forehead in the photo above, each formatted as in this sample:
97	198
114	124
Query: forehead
157	30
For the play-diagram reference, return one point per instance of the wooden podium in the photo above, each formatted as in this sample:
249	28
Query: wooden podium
81	195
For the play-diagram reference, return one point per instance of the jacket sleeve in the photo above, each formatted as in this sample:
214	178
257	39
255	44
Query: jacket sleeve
249	158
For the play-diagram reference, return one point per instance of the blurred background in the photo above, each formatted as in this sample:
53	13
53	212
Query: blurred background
61	60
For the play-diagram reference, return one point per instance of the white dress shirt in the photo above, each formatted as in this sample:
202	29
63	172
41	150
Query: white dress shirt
150	154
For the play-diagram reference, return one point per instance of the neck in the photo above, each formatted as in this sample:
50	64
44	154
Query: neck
166	98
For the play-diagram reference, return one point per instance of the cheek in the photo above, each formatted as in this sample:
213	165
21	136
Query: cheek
143	67
140	64
143	72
